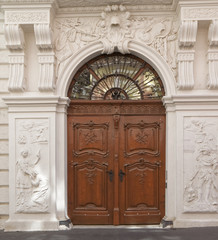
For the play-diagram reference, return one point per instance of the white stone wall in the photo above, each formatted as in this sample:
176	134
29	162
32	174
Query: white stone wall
4	165
181	44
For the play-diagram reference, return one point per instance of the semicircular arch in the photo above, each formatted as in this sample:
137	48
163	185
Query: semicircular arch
136	48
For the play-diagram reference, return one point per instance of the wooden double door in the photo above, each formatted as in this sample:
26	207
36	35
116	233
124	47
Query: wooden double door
116	162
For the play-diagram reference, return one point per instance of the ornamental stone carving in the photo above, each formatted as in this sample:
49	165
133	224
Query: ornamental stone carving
201	183
204	13
187	39
186	69
27	17
14	36
115	33
17	80
32	166
115	29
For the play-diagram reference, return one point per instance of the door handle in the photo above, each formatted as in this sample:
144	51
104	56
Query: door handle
111	175
121	175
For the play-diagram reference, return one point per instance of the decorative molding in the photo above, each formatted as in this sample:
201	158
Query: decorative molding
188	33
43	35
203	13
200	144
27	17
17	79
186	69
212	57
46	71
14	36
31	154
213	33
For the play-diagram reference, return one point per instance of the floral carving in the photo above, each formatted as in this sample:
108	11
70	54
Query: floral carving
200	13
91	176
141	177
142	137
29	17
201	189
90	137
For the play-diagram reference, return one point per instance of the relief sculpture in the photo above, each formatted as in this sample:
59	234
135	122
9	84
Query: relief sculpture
31	156
201	188
115	28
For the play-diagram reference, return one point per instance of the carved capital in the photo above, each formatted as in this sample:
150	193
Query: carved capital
212	57
46	71
213	33
186	70
14	36
188	33
16	73
43	35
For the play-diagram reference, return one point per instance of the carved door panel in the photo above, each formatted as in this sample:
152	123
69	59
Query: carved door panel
142	169
90	170
116	162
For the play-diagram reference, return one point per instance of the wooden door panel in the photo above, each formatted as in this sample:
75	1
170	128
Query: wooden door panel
141	138
90	137
90	188
142	188
90	178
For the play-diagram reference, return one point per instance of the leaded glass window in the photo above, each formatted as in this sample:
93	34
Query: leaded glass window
116	77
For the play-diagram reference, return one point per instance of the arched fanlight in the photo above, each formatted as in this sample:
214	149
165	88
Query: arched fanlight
116	77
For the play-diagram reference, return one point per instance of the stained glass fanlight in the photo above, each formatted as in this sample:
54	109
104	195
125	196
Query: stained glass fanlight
116	77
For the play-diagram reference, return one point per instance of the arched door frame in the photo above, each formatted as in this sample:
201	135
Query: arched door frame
69	70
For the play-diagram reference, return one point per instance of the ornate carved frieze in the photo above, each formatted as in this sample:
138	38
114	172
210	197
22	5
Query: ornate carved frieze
200	165
32	188
27	17
197	13
115	29
17	79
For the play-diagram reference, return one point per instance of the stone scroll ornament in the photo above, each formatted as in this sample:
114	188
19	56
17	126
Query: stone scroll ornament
31	186
201	189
